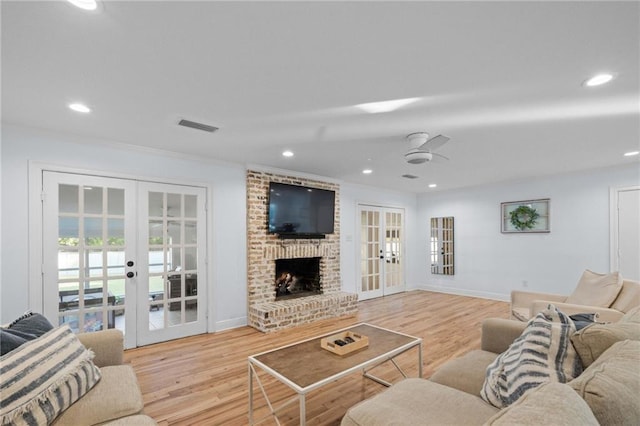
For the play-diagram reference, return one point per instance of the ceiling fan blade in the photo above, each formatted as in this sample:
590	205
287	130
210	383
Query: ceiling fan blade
438	157
434	143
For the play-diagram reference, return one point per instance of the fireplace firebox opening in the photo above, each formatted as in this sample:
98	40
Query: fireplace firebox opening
297	278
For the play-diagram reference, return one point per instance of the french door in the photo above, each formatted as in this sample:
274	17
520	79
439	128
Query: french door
124	254
381	254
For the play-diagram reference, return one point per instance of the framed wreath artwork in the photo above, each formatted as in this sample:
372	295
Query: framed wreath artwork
529	216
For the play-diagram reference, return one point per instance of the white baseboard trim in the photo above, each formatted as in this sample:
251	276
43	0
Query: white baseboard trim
463	292
230	323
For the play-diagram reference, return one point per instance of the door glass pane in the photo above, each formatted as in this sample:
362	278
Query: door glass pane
174	261
93	231
190	258
190	232
68	198
115	232
156	204
68	231
115	201
190	206
94	263
174	205
155	232
68	263
115	263
173	232
92	200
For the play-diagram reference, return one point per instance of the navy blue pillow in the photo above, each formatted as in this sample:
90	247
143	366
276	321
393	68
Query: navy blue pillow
582	320
28	327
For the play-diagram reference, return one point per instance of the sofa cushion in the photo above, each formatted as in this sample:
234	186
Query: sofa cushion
419	402
43	377
466	373
611	385
117	395
632	316
543	353
562	406
592	341
629	296
596	289
27	327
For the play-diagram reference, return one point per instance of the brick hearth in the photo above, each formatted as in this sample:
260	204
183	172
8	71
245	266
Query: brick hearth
265	314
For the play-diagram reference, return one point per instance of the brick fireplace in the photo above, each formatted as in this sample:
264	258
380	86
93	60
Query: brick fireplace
324	299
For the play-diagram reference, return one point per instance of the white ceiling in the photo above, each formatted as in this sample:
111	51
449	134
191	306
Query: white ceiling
502	79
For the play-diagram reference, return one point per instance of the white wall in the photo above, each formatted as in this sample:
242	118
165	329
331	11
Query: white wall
228	254
350	196
488	263
491	264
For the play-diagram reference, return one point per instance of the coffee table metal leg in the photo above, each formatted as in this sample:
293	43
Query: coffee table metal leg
303	410
250	395
420	361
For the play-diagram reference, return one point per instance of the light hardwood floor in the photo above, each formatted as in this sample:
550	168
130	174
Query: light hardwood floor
203	380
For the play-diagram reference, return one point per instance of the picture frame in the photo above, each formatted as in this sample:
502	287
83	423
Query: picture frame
525	217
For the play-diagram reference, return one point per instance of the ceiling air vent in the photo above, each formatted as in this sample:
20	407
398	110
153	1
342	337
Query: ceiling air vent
198	126
410	176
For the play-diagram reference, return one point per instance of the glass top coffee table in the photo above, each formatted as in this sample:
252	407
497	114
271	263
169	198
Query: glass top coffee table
315	367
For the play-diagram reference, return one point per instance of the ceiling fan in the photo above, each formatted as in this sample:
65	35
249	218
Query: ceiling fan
421	147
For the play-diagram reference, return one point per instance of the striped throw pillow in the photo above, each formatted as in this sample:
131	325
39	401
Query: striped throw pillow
43	377
543	353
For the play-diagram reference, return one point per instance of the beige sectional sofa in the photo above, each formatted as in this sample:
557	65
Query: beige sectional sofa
116	399
525	304
606	392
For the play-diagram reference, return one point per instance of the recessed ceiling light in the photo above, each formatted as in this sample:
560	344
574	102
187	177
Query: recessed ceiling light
85	4
367	171
631	153
432	185
77	107
599	79
287	154
385	106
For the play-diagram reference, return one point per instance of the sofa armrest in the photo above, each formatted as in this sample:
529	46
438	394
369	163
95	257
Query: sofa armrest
499	333
521	303
603	314
108	345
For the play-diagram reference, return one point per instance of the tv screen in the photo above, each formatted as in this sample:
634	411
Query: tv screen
300	210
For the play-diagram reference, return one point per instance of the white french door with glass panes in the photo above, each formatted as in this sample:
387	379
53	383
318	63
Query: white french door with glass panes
381	251
172	229
125	254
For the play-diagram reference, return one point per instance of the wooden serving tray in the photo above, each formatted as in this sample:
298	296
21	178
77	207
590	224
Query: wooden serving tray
360	341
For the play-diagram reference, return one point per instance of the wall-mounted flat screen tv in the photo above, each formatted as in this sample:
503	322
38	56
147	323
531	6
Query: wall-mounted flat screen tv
300	211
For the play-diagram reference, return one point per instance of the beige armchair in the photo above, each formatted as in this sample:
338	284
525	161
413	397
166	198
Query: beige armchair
525	305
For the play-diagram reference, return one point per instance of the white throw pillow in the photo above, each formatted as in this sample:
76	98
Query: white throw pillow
596	289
